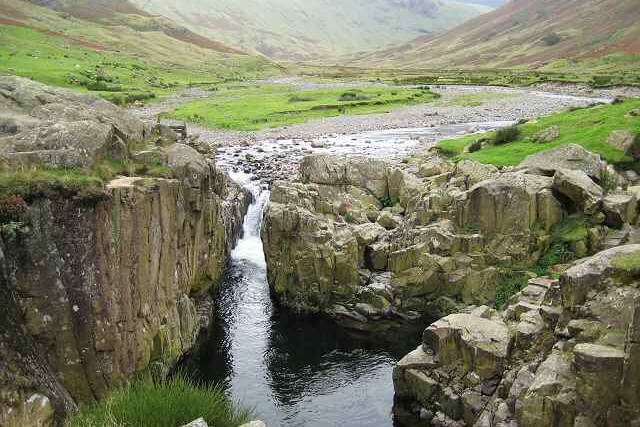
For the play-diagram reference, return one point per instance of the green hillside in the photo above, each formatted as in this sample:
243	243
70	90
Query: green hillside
548	35
314	30
121	54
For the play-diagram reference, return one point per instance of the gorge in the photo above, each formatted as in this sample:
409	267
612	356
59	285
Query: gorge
351	245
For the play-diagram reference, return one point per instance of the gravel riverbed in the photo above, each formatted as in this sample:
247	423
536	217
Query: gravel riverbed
273	154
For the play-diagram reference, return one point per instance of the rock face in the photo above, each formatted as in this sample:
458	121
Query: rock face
423	228
96	288
44	126
561	353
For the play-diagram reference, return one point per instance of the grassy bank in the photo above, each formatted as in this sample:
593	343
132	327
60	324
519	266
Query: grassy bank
268	106
588	127
168	403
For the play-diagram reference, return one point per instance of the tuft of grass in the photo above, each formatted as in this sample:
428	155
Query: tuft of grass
588	127
627	262
48	182
571	229
511	283
506	135
165	403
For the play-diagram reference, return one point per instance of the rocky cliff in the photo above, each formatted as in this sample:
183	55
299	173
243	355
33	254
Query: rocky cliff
99	285
562	353
365	239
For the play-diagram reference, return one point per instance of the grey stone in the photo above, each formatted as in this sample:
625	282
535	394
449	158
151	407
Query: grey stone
569	156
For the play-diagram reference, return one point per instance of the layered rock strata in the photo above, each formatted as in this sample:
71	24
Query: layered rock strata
96	287
364	239
562	352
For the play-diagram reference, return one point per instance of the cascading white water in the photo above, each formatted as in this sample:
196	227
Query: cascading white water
249	247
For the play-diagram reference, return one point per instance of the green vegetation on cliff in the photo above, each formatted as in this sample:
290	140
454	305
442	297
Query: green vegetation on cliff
167	403
589	127
259	107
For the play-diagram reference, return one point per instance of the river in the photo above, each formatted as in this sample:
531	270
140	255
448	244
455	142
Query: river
303	370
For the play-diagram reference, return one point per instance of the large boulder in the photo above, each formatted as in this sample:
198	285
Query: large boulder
579	188
44	126
625	141
507	204
612	267
599	374
475	171
570	156
335	170
482	345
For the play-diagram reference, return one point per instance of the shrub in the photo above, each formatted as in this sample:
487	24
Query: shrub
475	146
551	39
602	80
607	180
506	135
166	403
298	98
12	207
511	283
352	96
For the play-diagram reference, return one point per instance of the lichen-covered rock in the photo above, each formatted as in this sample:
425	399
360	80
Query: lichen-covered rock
550	399
506	204
547	135
612	267
569	156
481	344
599	374
620	209
61	128
626	142
334	170
98	286
574	358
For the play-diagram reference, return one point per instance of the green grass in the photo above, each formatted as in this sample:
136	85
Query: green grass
45	182
88	183
571	229
268	106
588	127
168	403
120	77
511	284
627	262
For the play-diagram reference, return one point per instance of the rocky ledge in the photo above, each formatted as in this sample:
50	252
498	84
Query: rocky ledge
96	287
562	353
364	239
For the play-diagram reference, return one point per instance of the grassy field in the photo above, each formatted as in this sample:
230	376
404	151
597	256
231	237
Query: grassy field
268	106
588	127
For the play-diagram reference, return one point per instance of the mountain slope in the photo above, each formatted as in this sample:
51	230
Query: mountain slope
113	48
314	30
528	32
